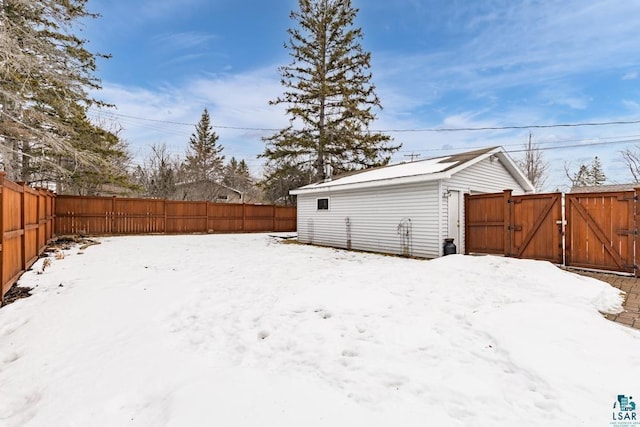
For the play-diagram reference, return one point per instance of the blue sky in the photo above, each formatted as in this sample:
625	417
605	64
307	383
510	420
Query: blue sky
436	64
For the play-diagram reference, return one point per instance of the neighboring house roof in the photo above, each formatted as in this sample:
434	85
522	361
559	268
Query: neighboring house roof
604	188
419	171
202	181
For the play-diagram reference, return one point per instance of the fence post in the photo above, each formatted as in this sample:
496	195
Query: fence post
23	237
466	223
51	219
2	175
636	218
244	217
164	205
507	221
39	217
113	215
206	225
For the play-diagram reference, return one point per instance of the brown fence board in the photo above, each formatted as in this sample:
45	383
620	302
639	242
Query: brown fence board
186	217
227	218
259	217
601	230
29	218
110	215
535	227
485	223
526	226
285	218
25	228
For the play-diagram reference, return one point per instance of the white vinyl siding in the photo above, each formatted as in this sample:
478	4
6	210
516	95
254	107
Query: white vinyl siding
378	215
486	176
377	218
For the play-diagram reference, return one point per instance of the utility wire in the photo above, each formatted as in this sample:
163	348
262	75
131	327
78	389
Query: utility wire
632	138
557	125
590	144
483	128
594	141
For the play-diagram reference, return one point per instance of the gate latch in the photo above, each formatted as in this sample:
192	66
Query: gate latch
628	232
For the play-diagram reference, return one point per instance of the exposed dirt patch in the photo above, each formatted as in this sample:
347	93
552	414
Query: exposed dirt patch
15	293
65	243
53	249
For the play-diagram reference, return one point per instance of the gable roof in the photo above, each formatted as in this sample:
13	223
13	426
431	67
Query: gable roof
419	171
207	182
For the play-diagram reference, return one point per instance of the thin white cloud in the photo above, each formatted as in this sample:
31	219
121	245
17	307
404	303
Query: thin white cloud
183	40
239	100
520	63
632	75
632	106
564	96
515	44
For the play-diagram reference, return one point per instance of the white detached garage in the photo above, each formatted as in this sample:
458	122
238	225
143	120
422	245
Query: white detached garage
408	208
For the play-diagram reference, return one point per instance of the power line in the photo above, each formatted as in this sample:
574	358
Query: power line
597	140
186	124
466	129
590	144
111	113
557	125
632	138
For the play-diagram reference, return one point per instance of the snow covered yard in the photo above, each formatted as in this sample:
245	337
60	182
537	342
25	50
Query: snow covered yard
243	330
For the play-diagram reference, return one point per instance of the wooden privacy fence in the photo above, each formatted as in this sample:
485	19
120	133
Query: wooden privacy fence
26	225
587	230
29	218
602	230
112	215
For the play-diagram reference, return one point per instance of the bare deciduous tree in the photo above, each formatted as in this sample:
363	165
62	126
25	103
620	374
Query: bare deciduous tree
533	164
158	175
631	158
587	175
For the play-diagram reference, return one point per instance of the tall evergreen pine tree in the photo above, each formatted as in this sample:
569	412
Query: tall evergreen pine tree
597	174
237	176
329	98
204	161
46	74
588	175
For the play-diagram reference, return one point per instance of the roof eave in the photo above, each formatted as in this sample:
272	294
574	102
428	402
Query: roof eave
372	184
507	162
499	152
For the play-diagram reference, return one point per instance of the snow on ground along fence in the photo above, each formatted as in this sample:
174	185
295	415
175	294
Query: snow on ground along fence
26	225
29	218
600	229
112	215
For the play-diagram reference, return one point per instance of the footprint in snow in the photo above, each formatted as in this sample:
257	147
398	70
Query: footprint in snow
322	313
10	358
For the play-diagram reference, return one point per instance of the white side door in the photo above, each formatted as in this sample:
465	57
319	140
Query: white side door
454	218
